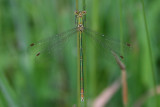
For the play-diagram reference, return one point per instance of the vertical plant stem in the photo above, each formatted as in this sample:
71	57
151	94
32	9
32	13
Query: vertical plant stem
84	9
150	53
92	50
123	71
124	79
124	87
121	25
84	70
78	65
8	92
84	4
76	4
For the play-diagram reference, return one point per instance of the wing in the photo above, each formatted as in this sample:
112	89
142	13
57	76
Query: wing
51	44
107	44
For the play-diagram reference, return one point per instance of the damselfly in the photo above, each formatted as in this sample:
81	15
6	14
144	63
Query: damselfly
52	42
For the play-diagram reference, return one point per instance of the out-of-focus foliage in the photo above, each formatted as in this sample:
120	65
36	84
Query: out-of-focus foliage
52	80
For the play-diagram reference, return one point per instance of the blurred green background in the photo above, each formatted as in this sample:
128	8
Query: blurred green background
52	82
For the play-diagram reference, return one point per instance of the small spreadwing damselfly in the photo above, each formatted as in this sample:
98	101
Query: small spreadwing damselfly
51	42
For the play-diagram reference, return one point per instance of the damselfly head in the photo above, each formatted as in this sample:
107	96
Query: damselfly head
80	13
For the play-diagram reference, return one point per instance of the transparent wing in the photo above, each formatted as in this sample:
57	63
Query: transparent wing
51	45
107	44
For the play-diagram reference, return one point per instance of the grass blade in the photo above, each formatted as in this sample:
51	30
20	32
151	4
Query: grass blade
150	51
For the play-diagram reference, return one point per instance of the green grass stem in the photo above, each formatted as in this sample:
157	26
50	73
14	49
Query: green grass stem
84	4
121	39
7	91
150	52
85	83
76	4
121	25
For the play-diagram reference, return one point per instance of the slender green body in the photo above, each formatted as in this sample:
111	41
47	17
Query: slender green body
81	67
80	28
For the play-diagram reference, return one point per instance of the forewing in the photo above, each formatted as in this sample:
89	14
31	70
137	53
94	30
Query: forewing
51	45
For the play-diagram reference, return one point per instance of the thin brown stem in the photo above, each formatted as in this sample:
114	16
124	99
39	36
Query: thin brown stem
124	81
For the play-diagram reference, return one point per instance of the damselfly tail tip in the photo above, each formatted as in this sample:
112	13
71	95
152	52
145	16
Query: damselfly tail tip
82	94
32	44
82	99
38	54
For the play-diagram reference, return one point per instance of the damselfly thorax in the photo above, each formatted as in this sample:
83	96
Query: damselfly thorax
80	28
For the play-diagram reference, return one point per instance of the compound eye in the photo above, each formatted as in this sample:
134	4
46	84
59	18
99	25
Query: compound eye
84	12
76	12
